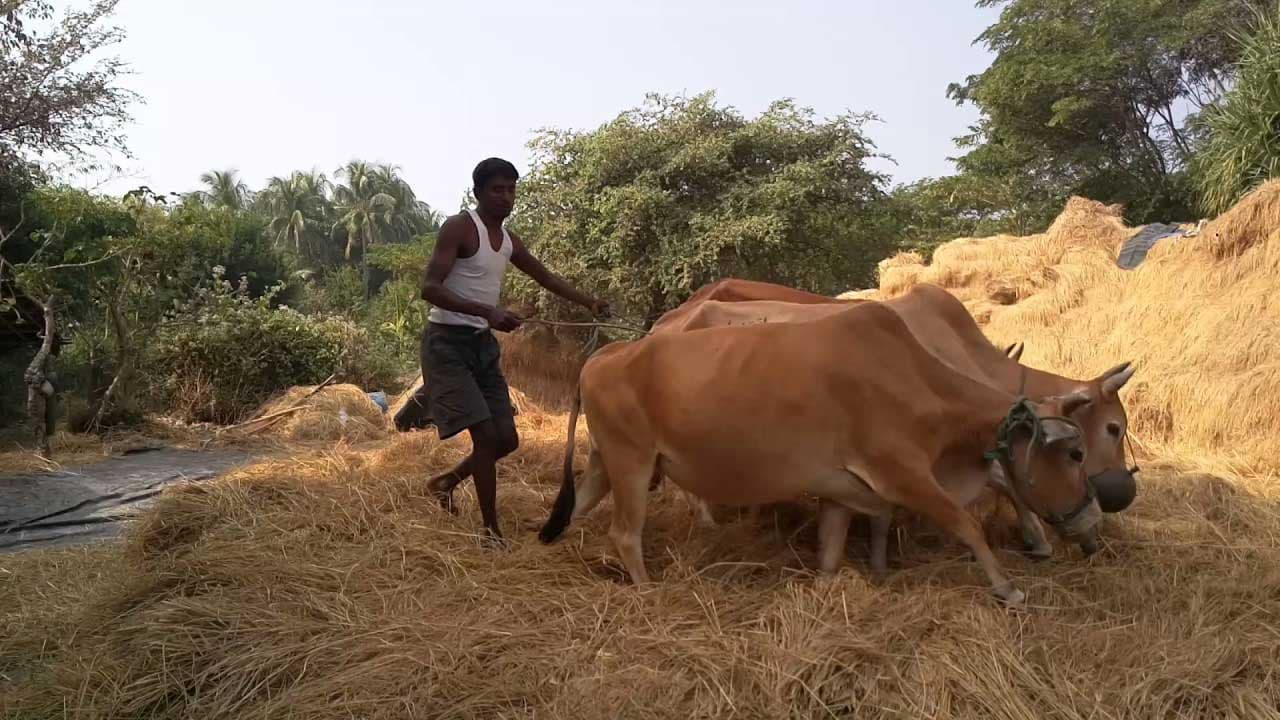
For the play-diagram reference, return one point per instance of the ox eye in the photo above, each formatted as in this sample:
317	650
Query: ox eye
1113	429
1077	455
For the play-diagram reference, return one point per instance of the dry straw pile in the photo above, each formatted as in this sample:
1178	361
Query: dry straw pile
331	586
337	412
1200	317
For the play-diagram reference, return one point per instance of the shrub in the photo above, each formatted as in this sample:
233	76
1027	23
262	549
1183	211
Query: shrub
223	353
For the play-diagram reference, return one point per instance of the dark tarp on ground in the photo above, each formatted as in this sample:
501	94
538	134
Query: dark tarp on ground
414	415
1135	249
52	509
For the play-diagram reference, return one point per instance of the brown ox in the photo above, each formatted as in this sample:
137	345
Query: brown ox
942	324
851	409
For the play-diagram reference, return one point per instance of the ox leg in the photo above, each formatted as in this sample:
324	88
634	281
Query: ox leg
1033	537
880	544
922	493
594	487
833	532
629	475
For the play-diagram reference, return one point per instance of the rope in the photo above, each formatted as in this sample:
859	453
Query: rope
596	325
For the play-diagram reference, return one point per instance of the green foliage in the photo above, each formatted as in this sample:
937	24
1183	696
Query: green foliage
338	292
223	353
1086	98
223	189
407	260
396	317
665	198
1243	130
932	211
57	96
300	211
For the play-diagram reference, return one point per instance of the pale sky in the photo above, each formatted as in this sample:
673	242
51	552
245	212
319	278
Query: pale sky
271	86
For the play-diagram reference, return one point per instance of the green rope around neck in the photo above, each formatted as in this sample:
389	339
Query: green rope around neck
1021	415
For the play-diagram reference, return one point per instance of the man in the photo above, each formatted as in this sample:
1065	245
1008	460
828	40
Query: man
460	357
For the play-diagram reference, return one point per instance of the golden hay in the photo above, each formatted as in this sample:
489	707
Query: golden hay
332	585
338	412
1200	317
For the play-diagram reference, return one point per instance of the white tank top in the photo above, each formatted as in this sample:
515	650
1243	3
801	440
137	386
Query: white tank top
477	278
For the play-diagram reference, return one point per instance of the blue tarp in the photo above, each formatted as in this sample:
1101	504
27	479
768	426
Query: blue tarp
1135	249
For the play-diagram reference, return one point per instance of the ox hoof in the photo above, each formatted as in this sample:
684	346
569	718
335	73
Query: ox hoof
1039	552
1009	595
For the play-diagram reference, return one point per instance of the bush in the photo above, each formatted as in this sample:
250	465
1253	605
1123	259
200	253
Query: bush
223	353
1242	149
396	317
340	291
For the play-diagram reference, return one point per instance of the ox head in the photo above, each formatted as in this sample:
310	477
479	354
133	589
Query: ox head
1105	426
1044	455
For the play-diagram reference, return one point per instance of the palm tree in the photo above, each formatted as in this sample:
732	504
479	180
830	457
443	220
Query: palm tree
364	210
296	205
410	217
225	189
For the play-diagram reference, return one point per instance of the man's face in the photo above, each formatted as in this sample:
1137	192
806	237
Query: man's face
498	197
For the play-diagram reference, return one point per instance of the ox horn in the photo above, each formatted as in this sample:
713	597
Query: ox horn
1116	377
1015	350
1073	402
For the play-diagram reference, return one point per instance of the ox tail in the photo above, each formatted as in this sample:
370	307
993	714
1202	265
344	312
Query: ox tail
562	511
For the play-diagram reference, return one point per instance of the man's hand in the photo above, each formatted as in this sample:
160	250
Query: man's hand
599	308
502	321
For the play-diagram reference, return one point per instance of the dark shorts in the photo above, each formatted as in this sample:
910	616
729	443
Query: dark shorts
462	374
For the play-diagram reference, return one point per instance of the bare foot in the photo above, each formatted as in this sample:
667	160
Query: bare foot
441	488
492	537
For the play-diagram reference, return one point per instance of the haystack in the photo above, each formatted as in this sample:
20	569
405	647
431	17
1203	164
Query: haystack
337	412
1200	317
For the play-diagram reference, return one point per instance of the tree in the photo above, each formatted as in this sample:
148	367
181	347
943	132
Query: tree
1242	148
1091	97
225	189
376	205
298	206
680	192
364	211
54	99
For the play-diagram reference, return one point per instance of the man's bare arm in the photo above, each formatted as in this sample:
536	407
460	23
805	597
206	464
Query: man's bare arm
531	266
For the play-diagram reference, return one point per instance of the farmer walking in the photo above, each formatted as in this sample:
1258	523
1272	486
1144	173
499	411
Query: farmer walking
461	366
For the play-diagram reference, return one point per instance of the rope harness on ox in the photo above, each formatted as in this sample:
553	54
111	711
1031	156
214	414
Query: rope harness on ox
1022	416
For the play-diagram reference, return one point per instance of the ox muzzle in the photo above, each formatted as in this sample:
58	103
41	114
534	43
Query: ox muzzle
1115	489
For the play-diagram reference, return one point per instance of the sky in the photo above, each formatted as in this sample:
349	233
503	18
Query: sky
271	86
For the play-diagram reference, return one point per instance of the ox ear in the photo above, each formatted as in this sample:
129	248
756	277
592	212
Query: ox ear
1015	350
1115	378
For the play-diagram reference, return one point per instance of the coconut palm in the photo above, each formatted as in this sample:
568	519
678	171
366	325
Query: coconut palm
364	211
225	189
297	205
410	217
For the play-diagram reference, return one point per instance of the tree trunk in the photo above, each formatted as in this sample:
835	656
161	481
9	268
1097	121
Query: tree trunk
40	389
122	365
